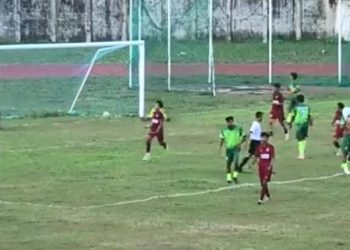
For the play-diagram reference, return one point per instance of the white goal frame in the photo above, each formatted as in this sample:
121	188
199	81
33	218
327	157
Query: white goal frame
102	47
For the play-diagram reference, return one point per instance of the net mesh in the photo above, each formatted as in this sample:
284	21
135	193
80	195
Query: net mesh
40	82
345	81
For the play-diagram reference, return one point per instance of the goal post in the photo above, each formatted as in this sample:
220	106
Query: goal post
83	78
179	41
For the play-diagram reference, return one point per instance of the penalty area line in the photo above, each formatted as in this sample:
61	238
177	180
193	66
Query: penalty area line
244	185
169	196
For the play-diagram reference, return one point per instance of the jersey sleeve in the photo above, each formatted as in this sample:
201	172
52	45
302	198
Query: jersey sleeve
252	127
221	135
151	113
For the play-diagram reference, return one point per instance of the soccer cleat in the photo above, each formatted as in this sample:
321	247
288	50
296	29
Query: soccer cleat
260	202
301	157
147	157
346	169
235	181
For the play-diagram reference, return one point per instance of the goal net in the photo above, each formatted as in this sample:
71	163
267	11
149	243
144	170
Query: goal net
75	78
178	37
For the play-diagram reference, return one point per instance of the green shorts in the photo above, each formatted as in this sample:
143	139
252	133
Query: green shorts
232	155
345	146
302	131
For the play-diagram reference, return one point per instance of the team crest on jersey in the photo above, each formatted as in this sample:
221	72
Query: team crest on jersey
267	150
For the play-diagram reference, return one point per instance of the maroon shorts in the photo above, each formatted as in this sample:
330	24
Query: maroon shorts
277	114
155	133
265	174
338	133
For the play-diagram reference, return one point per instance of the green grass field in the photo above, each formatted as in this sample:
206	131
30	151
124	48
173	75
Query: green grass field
59	175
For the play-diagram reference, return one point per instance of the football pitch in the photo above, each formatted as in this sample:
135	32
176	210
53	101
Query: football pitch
79	183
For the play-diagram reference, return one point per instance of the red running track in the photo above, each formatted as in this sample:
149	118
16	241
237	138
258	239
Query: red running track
24	71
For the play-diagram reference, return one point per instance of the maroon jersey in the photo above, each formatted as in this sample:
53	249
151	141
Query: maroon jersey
277	96
157	120
338	131
265	153
337	117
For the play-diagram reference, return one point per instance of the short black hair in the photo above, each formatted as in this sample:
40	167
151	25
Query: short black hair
300	98
229	118
294	75
265	134
160	103
258	114
340	105
277	85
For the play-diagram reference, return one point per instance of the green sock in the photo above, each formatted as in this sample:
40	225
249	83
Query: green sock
302	147
229	176
235	174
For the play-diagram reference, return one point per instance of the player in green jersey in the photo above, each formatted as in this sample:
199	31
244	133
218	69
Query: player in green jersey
346	143
293	90
301	114
232	137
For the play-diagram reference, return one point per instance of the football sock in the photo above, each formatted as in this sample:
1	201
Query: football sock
336	144
302	147
267	192
235	174
262	193
148	147
229	177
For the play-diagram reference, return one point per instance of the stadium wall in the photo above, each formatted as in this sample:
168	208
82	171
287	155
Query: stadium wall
94	20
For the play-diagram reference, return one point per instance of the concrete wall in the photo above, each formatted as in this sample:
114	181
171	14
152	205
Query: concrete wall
93	20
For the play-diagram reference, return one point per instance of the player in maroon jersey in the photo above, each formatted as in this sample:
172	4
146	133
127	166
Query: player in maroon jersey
338	129
265	155
156	127
277	110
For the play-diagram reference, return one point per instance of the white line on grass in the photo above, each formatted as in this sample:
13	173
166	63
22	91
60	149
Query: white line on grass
168	196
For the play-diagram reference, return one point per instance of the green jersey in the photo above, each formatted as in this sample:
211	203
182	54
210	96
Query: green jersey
302	114
232	137
294	88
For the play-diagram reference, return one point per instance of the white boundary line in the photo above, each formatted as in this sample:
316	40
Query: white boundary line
168	196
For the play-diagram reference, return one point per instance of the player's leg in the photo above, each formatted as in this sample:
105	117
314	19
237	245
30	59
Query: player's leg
263	191
281	120
149	139
229	161
271	122
346	155
236	153
251	151
301	135
338	134
160	137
